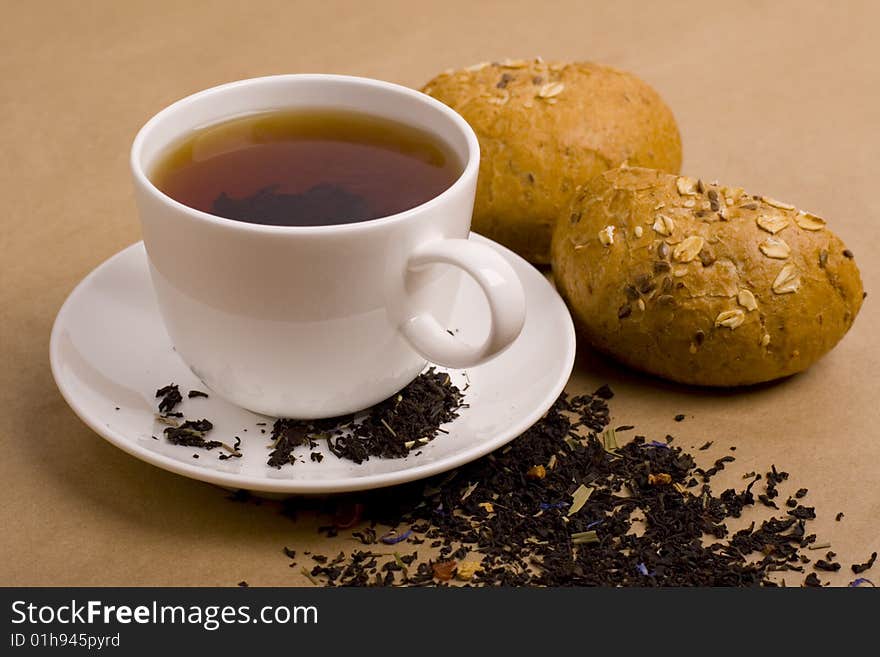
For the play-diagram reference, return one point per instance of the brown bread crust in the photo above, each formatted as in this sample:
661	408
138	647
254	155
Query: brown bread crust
701	283
544	128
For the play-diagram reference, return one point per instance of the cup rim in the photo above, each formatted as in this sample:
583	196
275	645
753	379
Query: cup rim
469	171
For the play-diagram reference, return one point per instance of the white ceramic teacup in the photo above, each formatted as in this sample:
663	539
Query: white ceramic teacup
311	322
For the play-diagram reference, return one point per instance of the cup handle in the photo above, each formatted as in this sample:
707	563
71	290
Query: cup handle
504	293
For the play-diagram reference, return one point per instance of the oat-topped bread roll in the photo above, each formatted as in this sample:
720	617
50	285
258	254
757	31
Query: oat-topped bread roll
702	283
545	127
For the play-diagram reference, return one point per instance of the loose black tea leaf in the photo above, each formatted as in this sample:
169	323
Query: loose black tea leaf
766	501
679	417
803	512
860	568
604	392
822	564
170	397
196	393
812	580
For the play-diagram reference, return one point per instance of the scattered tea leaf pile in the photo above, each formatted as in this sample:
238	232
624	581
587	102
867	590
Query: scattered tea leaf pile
391	429
563	505
188	433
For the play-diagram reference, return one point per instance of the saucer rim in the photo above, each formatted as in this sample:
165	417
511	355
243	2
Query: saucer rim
312	486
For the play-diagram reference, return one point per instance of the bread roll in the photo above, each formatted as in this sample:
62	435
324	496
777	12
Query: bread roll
701	283
546	127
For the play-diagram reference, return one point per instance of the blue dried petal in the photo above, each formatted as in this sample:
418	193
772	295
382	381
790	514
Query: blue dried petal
642	568
551	505
595	523
657	443
391	538
861	580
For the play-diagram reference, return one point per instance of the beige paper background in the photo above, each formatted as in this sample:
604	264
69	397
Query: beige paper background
778	97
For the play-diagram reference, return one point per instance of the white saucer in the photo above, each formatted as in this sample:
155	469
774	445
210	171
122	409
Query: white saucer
109	349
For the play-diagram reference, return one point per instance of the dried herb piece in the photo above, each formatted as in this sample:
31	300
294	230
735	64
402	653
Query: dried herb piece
443	570
536	472
578	498
585	538
859	581
393	538
609	439
466	570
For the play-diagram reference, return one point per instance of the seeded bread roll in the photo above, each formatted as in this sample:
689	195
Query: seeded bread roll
546	127
701	283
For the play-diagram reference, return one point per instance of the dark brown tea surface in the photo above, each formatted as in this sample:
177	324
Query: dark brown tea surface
306	168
